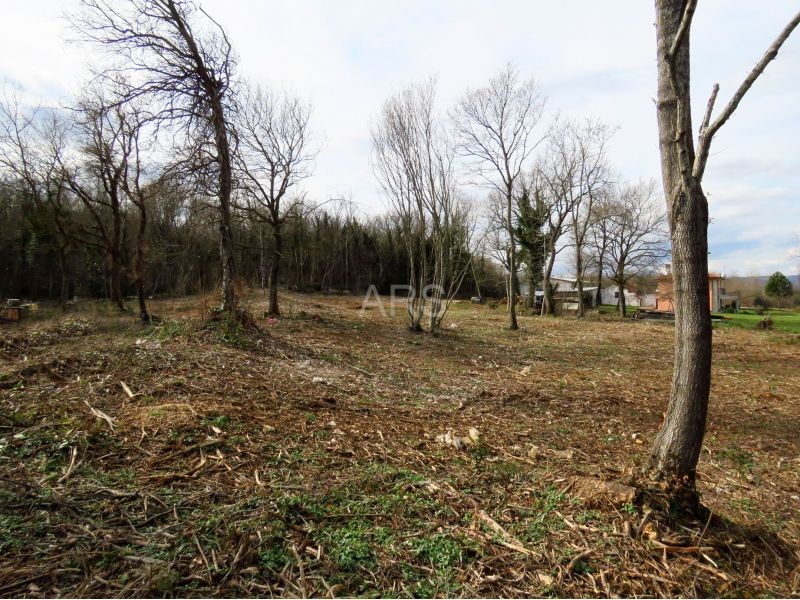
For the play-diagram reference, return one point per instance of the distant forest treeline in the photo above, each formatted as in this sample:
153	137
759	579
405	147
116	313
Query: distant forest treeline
329	248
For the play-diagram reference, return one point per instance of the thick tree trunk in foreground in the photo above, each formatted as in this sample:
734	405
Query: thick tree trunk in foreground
115	253
621	300
678	443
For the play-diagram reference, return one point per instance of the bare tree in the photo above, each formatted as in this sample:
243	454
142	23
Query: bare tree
496	128
414	163
599	233
30	143
679	441
554	180
583	147
187	67
96	174
142	185
273	157
496	236
636	235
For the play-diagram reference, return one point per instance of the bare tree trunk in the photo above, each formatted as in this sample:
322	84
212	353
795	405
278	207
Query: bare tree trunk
621	303
115	281
262	258
62	262
512	264
579	283
225	231
678	443
144	315
115	256
547	302
274	270
598	298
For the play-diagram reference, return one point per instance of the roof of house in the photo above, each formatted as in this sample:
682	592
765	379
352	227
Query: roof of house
568	279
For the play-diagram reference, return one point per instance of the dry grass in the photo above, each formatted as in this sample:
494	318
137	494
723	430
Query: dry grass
303	459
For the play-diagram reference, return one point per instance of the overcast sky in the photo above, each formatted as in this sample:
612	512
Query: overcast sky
590	58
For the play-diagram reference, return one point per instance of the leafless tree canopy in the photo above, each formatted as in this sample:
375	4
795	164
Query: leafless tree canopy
414	162
636	234
582	148
274	156
176	56
498	127
170	50
31	144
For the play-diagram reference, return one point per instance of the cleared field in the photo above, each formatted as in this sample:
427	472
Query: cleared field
194	458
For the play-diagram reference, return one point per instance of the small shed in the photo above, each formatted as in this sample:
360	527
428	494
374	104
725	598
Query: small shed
14	309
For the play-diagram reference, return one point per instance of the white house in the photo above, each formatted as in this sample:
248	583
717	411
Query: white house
562	287
560	284
610	295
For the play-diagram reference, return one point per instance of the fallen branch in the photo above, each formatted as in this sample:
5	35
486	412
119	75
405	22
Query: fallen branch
577	558
507	540
100	415
682	549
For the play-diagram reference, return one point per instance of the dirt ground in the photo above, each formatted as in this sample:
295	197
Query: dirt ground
329	454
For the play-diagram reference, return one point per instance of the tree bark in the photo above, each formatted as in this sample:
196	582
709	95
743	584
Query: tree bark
678	443
144	315
579	283
547	301
598	296
225	231
115	253
262	259
274	270
600	260
512	265
621	304
62	262
214	89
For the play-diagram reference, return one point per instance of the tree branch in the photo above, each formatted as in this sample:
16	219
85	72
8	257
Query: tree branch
683	28
707	134
709	108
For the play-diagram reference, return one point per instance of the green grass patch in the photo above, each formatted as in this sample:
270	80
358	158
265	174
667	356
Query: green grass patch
783	320
351	546
613	309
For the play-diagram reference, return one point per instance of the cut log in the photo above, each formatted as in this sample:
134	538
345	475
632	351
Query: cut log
598	491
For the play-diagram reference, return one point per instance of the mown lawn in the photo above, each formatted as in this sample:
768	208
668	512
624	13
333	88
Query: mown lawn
784	320
613	309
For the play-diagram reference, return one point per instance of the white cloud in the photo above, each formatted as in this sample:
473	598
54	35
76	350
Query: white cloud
591	58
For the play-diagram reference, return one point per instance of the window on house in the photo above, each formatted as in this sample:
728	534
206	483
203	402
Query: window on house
616	295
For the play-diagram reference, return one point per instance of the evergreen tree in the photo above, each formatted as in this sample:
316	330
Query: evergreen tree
778	286
528	232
